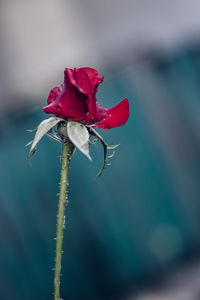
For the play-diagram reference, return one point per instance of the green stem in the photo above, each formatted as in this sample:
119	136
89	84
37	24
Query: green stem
67	151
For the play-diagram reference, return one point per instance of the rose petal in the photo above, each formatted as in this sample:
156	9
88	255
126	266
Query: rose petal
114	116
54	93
68	104
75	100
79	79
84	79
94	78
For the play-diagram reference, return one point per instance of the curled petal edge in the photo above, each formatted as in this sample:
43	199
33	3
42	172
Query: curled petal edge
115	116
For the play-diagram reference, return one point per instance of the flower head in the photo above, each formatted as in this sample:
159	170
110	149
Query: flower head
75	100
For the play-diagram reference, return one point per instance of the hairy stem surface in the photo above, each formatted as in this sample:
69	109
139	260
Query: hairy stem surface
67	151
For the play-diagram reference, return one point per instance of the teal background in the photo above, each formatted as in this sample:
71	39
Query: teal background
132	224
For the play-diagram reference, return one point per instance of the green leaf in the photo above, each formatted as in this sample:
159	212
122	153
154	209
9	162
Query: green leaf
42	129
79	136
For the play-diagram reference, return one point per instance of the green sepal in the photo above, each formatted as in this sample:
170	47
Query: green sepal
43	129
53	136
79	136
106	147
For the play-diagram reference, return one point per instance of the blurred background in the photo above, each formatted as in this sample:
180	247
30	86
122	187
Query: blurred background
133	234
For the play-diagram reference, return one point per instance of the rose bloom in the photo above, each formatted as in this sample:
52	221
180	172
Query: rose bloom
75	100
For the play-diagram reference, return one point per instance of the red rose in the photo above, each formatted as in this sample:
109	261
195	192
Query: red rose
75	100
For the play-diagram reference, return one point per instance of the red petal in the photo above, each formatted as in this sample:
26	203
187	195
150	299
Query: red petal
84	79
79	79
115	116
94	77
75	100
67	102
54	93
